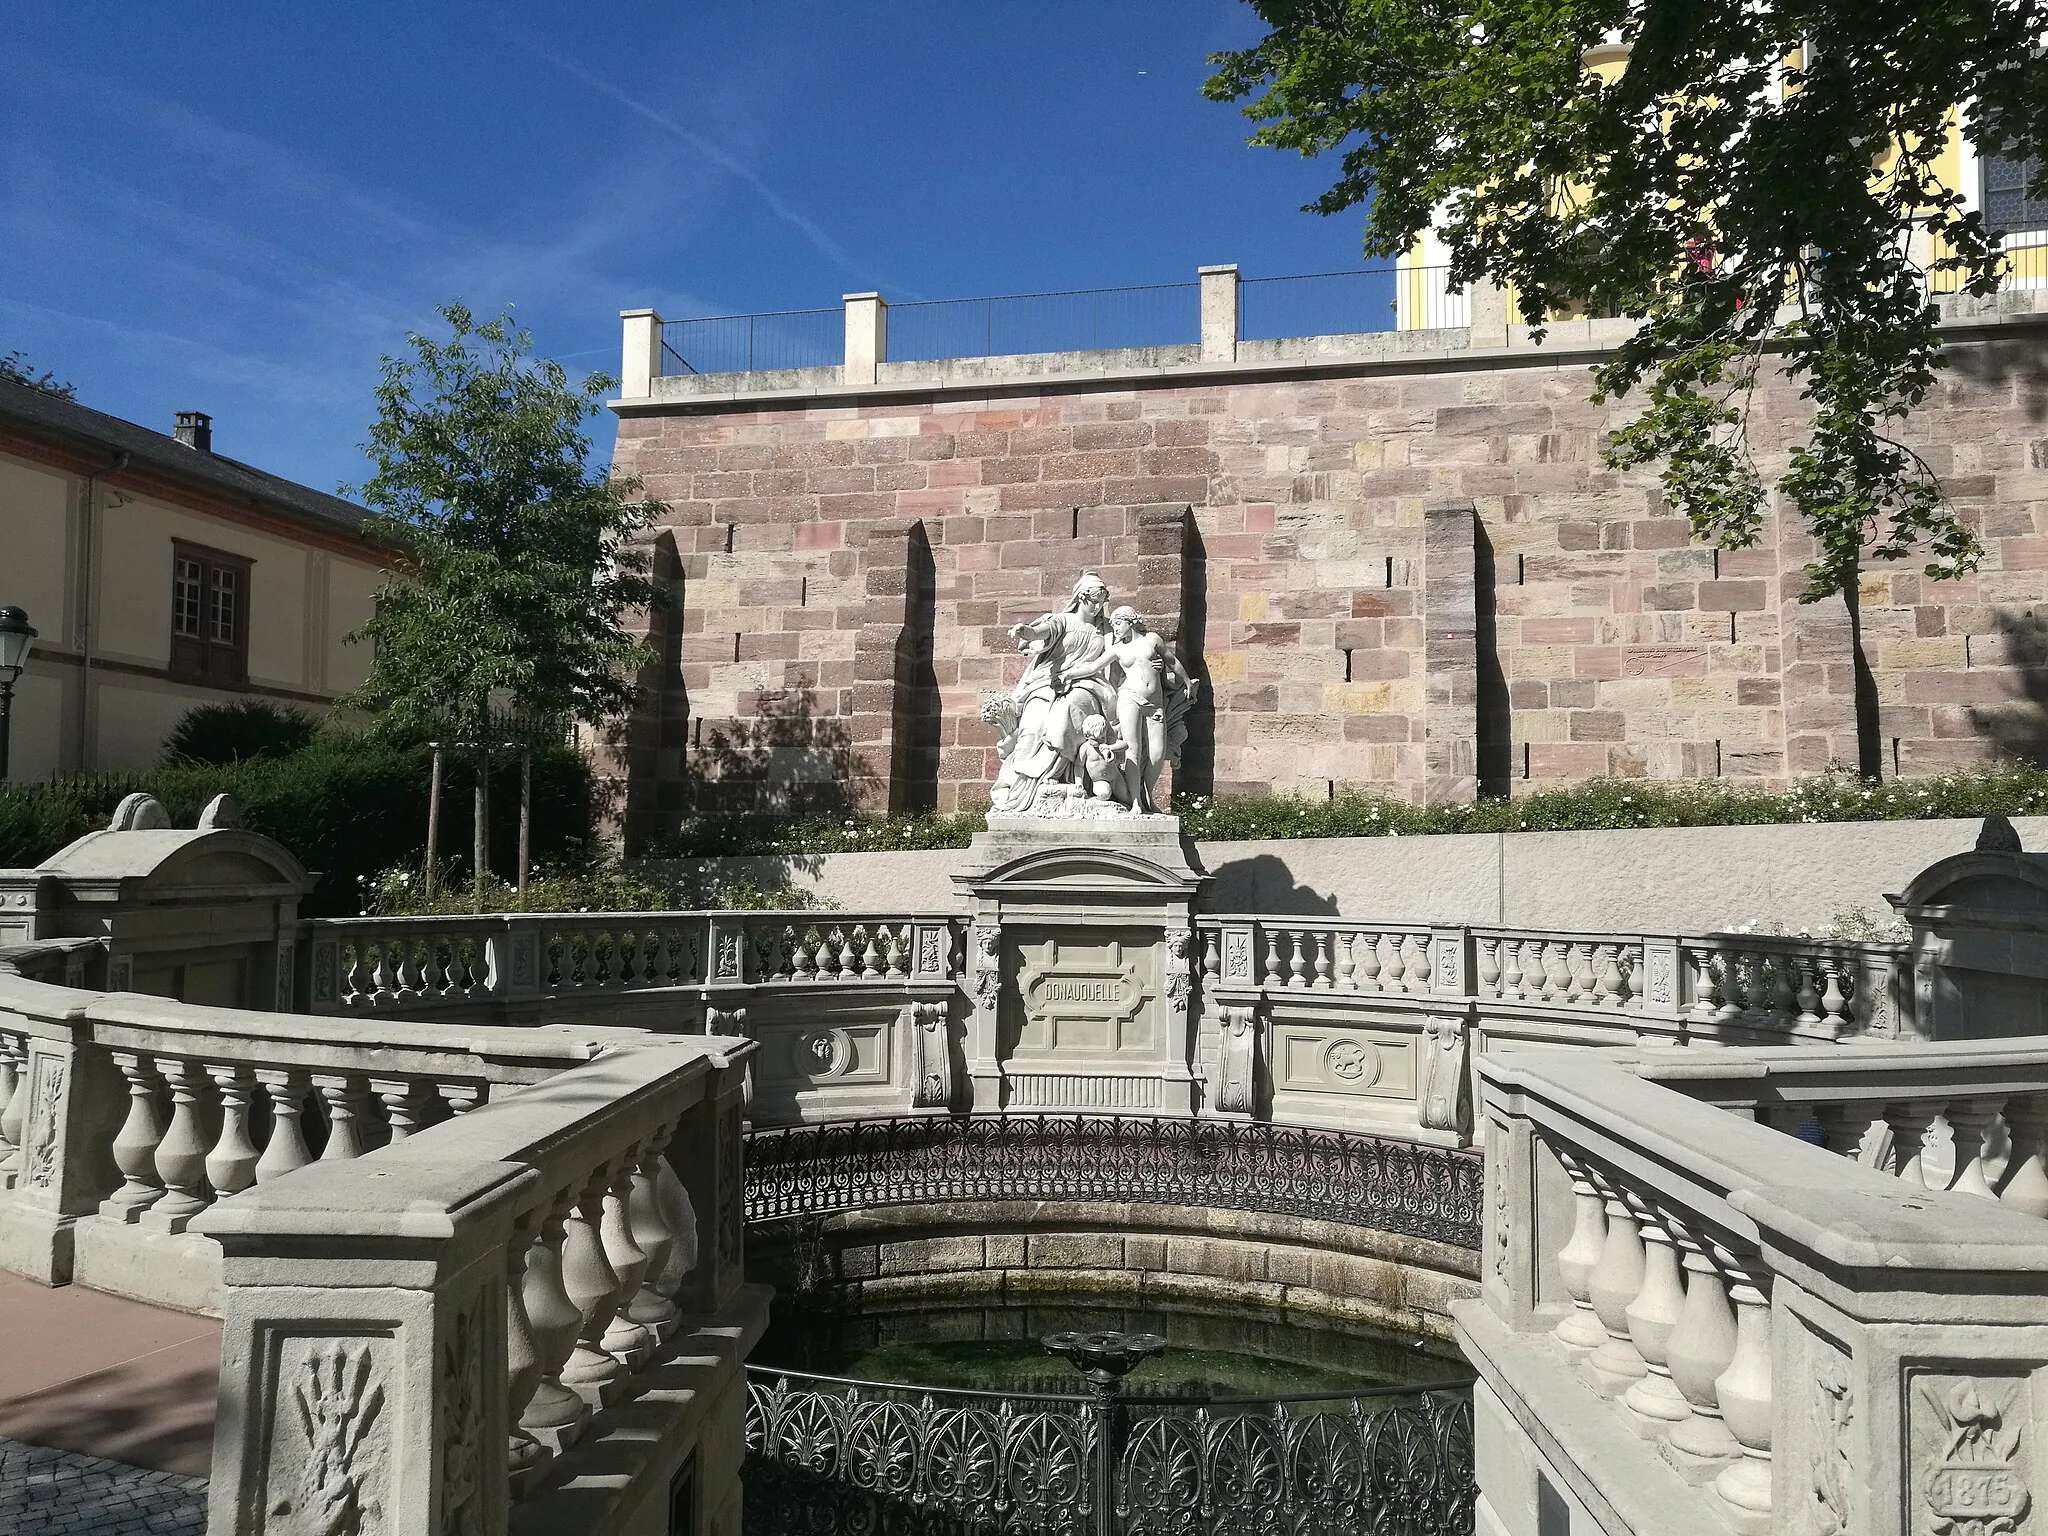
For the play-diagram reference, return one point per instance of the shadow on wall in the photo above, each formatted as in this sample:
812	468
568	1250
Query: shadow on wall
2019	730
1264	883
785	760
1197	772
914	765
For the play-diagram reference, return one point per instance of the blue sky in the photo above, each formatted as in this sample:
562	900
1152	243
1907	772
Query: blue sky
239	209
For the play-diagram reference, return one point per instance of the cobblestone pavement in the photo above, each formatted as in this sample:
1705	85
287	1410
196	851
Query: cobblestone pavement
62	1493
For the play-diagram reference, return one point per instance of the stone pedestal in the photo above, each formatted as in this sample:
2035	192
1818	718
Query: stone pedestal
1079	964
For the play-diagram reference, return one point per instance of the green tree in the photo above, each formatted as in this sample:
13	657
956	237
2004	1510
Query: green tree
517	559
1759	184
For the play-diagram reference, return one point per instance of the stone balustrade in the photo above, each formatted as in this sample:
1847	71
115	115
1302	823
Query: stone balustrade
414	964
412	1336
125	1116
1693	1322
1971	1117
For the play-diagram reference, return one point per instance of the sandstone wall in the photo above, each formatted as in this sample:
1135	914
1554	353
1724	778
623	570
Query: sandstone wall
1274	520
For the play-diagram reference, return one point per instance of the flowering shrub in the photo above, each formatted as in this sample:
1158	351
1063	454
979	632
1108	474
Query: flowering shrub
594	887
1599	805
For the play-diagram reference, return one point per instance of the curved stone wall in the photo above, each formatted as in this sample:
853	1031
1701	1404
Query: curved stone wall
1005	1250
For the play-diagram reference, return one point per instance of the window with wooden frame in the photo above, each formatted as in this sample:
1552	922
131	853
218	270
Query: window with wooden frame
209	614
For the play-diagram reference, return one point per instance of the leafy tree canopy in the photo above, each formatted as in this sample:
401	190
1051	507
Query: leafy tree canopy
1759	181
518	558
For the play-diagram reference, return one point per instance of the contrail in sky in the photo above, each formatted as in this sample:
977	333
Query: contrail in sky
825	244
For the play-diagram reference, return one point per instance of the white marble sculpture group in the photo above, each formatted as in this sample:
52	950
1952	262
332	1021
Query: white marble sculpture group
1100	711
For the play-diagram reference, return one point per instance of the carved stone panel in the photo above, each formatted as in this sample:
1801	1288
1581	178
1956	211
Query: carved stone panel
44	1124
327	1436
1357	1062
1088	993
1970	1439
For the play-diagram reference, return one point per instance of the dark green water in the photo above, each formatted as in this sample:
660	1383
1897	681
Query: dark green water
1212	1350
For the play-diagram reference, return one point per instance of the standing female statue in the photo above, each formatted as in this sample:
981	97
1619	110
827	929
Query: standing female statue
1153	694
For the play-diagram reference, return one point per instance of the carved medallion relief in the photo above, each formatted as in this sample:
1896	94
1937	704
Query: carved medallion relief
1367	1063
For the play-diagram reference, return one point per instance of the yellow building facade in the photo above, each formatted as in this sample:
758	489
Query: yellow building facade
160	575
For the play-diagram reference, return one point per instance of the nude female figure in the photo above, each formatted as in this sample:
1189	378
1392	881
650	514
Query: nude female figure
1153	692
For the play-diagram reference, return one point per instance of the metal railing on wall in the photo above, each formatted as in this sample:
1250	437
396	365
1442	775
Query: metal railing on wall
1349	303
790	338
1078	320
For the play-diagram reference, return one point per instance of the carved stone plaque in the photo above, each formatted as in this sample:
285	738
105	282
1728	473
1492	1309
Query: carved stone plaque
1084	992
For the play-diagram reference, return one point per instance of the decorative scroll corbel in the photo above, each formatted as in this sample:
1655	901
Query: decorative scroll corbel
1444	1100
1236	1089
931	1056
733	1021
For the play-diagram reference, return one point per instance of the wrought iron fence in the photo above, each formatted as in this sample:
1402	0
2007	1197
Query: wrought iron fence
2025	266
825	1454
1081	320
792	338
1365	1181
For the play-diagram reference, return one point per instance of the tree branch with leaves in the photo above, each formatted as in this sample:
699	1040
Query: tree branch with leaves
1760	182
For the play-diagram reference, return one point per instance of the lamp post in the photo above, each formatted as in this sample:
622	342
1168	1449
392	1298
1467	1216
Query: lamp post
15	639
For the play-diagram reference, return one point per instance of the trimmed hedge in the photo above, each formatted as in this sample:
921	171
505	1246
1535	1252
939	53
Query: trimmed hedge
1600	805
348	806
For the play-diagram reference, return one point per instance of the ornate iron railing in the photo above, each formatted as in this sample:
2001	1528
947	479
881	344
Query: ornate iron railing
1363	1181
825	1454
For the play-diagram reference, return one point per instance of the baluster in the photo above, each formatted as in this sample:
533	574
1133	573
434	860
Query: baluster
1969	1120
181	1154
898	963
1297	967
1744	1392
360	974
2025	1187
627	1341
1369	962
286	1149
13	1105
1909	1123
1585	978
1275	973
1557	972
231	1165
1697	1353
1734	989
384	979
1420	969
1806	970
588	1277
1654	1404
460	1098
556	1413
1579	1331
1785	991
135	1145
1323	960
871	957
1609	981
1212	958
833	959
404	1104
1489	967
1511	970
1347	968
651	1232
1395	968
1616	1365
661	962
1708	968
523	1453
1834	1001
1845	1124
408	975
346	1136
